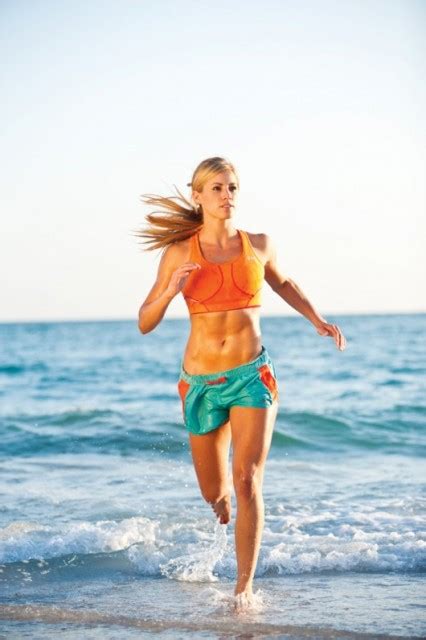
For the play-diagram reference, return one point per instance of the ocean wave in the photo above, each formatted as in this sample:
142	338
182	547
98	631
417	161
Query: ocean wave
112	431
11	369
193	550
18	441
312	431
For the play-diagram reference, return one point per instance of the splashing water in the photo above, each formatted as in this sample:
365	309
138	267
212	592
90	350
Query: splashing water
228	604
198	564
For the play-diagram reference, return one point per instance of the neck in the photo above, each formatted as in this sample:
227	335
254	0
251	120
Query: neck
218	231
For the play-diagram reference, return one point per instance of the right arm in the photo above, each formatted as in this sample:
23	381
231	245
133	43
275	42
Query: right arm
171	278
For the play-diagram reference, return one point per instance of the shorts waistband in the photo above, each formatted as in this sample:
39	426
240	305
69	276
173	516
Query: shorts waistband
236	372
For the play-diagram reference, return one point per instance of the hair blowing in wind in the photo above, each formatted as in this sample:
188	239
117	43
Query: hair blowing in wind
177	218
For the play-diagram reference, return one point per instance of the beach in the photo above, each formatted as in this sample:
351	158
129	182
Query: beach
104	534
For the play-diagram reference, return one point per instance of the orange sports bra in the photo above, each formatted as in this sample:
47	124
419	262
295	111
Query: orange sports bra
235	284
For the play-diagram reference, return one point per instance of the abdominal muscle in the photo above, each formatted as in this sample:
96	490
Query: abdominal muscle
222	340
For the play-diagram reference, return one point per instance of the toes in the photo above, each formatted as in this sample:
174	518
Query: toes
222	509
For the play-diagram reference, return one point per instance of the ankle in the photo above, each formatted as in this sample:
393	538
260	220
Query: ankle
244	587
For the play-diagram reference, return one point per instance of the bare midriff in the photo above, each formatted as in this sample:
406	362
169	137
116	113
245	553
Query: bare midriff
222	340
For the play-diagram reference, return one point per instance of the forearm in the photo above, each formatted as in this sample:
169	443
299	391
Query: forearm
151	314
294	296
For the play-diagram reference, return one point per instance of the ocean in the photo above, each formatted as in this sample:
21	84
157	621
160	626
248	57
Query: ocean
104	533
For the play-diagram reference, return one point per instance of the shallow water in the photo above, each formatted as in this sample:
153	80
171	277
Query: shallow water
102	524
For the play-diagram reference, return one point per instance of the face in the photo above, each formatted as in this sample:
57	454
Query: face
219	195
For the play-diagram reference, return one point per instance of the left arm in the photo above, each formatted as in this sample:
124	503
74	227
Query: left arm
289	291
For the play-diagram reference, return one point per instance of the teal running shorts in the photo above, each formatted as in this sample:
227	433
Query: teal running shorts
207	398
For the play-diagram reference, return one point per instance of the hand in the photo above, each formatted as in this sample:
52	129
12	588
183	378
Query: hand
179	277
326	329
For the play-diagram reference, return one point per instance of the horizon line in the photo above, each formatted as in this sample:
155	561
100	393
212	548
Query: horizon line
183	317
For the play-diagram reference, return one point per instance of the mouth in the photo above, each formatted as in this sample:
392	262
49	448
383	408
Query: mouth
227	206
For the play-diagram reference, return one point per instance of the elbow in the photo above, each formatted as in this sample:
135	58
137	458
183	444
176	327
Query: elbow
280	285
141	324
285	282
144	330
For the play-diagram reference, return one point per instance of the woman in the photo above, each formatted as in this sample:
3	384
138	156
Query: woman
227	382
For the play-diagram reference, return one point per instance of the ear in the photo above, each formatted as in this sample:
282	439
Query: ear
195	197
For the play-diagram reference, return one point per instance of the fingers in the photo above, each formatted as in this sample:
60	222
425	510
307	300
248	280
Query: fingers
339	338
187	267
181	274
333	331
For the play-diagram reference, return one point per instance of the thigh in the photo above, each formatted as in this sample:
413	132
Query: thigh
210	453
252	429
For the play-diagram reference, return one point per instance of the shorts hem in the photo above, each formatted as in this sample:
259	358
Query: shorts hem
202	433
257	406
245	406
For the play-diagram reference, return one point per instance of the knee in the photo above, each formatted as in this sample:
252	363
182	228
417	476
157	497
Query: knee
248	483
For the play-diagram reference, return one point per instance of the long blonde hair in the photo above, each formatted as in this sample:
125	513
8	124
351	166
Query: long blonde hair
178	218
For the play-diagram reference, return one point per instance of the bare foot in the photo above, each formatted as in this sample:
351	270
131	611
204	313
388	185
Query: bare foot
222	509
243	600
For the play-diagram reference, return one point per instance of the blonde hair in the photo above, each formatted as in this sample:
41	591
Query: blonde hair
178	218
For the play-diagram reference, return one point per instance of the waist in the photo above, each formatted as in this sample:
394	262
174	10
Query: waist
222	341
232	373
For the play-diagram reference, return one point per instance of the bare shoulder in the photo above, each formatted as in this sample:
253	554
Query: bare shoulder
172	257
263	245
176	253
266	250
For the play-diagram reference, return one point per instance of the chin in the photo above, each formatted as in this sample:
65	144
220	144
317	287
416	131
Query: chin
224	215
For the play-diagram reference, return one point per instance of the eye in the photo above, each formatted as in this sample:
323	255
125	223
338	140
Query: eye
234	188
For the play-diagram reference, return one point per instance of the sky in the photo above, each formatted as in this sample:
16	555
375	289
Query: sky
319	104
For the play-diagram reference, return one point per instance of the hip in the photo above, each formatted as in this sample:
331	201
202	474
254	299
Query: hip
208	398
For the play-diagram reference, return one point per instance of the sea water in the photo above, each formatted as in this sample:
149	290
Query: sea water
103	531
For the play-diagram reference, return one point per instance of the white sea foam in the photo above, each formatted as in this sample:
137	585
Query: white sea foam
199	549
24	540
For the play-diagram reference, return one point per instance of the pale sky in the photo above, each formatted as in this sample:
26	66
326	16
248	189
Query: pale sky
319	104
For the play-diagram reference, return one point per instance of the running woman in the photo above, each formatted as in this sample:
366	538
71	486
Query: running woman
227	384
